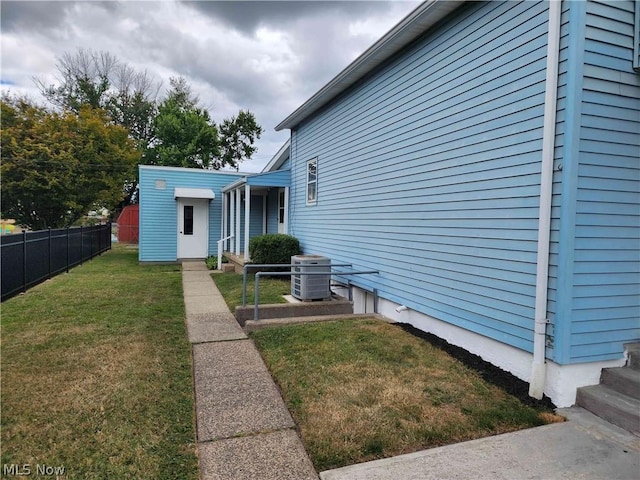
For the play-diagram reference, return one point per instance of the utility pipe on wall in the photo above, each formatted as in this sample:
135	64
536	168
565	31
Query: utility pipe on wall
538	366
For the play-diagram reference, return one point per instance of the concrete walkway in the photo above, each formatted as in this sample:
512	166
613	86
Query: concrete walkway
243	428
585	447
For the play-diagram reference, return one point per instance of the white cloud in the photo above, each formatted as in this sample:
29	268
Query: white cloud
267	57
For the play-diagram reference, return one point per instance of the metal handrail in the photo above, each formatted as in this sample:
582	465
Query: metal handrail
256	292
284	265
220	247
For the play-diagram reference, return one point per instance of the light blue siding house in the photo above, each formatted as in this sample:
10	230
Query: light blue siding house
184	212
180	212
485	158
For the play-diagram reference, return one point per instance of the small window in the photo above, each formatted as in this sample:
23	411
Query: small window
312	181
188	220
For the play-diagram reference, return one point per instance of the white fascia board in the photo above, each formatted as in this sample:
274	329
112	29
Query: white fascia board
279	158
406	31
232	186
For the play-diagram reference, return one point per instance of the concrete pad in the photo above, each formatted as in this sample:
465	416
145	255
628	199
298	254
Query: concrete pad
214	360
239	405
276	455
558	451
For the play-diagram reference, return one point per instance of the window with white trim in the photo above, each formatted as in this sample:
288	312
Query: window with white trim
312	181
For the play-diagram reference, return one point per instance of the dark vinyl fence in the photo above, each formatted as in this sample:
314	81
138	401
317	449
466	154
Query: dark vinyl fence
30	258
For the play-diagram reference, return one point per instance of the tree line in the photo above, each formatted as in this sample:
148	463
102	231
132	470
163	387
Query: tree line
80	151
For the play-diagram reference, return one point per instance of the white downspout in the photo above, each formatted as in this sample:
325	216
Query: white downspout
538	366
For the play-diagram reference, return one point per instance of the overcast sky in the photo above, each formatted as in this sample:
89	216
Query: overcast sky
267	57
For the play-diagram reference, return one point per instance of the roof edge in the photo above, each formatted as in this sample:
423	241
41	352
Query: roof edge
422	18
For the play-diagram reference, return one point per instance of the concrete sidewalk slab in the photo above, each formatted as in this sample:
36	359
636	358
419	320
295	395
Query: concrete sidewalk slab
196	276
223	359
194	265
558	451
270	456
198	288
204	328
197	305
230	406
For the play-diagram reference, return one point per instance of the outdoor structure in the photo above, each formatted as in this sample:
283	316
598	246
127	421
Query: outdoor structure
128	224
180	212
484	156
184	212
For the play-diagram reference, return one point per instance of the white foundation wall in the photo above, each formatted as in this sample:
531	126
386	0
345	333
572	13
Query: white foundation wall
561	380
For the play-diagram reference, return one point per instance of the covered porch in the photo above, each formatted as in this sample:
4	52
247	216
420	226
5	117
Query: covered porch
241	220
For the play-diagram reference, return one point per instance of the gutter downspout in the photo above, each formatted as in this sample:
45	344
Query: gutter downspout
538	366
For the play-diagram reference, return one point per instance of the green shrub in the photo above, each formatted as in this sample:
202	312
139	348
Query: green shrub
212	262
273	248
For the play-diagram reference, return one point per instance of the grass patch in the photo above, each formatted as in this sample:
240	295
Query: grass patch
271	289
364	389
96	373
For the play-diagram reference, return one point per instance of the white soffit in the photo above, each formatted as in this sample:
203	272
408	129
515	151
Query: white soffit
194	193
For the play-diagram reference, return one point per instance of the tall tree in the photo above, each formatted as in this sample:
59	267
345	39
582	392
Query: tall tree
100	80
185	134
57	166
237	138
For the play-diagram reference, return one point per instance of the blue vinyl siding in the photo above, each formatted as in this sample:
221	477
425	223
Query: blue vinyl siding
601	285
158	209
430	172
272	210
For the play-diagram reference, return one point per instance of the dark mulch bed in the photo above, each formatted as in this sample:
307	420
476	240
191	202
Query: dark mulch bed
502	379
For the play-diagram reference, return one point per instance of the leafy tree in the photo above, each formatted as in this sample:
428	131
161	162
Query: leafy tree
185	134
173	132
57	166
237	136
100	80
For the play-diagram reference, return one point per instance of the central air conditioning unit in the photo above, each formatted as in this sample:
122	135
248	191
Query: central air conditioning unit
310	287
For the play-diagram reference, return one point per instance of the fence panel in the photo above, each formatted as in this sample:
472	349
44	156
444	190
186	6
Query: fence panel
30	258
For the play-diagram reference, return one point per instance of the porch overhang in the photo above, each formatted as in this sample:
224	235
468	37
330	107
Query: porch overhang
232	196
205	193
279	178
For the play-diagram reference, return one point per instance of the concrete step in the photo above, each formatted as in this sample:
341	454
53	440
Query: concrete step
622	379
614	407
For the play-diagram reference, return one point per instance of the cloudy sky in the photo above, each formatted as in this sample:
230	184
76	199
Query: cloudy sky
266	56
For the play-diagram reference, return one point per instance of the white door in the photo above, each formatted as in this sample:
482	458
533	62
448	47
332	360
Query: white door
193	227
281	211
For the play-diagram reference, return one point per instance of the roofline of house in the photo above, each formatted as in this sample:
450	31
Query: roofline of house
425	16
189	169
279	158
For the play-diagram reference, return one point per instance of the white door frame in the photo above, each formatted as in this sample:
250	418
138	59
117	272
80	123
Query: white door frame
193	241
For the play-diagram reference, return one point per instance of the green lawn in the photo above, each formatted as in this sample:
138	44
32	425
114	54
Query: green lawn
365	389
272	289
96	373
